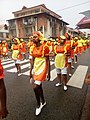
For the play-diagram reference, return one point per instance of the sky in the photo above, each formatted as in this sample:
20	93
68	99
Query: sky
68	9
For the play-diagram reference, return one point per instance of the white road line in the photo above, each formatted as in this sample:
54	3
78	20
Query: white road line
13	64
26	73
53	74
3	63
9	65
22	67
78	77
6	60
27	65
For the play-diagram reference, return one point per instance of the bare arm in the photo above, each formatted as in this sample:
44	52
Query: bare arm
32	64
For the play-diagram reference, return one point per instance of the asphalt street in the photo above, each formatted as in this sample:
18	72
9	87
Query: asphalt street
61	105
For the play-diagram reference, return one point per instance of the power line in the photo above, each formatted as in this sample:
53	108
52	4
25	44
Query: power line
72	6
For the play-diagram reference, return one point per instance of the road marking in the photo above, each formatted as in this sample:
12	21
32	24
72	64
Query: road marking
26	73
4	63
22	67
6	60
78	77
53	75
8	64
12	64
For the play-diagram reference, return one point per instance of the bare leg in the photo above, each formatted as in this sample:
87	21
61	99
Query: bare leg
37	94
72	63
59	79
64	77
19	68
41	94
75	58
16	67
69	69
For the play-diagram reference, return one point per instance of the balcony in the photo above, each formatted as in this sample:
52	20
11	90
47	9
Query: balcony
12	26
29	24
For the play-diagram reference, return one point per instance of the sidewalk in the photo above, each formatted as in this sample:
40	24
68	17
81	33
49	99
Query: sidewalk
86	108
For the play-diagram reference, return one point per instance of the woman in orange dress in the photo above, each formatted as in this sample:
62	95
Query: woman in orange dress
76	49
40	66
3	106
16	55
69	44
23	48
61	61
4	49
0	49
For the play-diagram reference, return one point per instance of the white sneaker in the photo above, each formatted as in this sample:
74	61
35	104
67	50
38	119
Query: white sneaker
65	88
70	75
38	111
72	67
42	105
58	84
19	74
75	62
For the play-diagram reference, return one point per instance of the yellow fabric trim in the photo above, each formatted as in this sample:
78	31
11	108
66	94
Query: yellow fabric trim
39	65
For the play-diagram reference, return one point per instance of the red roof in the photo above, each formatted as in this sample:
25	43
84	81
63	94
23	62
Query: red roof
84	20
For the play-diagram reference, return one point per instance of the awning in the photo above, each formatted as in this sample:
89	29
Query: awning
84	23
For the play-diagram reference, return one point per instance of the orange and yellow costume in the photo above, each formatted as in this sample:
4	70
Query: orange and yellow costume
40	62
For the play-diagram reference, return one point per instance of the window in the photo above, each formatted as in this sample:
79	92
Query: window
5	27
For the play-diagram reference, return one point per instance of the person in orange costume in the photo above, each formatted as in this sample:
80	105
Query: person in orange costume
0	49
23	48
76	49
61	61
40	66
4	49
80	45
3	108
30	42
16	55
69	44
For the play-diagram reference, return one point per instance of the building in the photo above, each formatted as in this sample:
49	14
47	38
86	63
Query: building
84	24
73	32
4	32
28	20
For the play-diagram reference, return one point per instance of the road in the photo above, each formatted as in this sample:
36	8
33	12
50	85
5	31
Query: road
61	105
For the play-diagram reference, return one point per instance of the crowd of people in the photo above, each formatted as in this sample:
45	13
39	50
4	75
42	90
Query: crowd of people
63	50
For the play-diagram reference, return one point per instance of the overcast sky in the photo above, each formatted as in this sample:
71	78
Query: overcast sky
69	15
